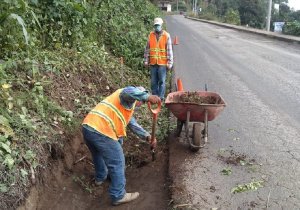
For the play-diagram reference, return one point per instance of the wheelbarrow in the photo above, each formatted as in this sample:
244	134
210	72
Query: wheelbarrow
198	107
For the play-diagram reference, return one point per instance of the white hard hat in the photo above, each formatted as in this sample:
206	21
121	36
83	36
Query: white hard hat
158	21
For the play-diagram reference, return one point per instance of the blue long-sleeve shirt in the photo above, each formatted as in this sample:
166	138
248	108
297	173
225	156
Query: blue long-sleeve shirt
128	96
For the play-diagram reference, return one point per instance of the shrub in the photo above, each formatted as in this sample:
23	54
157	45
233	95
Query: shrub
292	28
232	17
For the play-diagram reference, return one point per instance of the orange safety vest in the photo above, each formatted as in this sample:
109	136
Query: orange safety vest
158	49
109	117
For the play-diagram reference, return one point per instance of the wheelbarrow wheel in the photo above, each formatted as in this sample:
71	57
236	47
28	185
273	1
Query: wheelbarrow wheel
179	128
196	137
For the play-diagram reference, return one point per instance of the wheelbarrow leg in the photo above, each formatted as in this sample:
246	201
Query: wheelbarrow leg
179	127
206	127
186	126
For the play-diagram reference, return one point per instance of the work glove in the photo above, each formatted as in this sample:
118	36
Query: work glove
153	99
146	64
152	143
169	66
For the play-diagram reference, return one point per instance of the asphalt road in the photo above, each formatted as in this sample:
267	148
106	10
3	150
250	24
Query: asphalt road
257	136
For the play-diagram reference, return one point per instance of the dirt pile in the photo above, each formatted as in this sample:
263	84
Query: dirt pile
194	97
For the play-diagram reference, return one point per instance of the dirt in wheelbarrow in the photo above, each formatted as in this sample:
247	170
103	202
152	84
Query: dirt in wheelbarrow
70	183
194	97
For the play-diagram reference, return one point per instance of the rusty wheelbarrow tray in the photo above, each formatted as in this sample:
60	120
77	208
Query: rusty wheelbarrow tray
192	111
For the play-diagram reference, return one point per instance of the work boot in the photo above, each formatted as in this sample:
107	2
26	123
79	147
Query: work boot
98	183
127	198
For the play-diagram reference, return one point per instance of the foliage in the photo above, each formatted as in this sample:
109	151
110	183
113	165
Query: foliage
209	13
211	9
224	6
58	23
280	1
292	28
207	16
181	6
44	38
246	12
126	34
254	185
24	121
292	20
226	171
252	13
232	17
83	183
294	16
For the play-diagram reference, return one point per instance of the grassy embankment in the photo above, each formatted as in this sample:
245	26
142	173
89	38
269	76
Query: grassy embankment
57	61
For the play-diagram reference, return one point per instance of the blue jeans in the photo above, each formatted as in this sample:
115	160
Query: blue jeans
158	80
108	158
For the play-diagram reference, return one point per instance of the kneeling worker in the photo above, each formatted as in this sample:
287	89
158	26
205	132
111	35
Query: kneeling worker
103	130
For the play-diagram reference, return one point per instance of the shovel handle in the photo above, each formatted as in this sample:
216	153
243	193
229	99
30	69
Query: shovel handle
153	127
155	114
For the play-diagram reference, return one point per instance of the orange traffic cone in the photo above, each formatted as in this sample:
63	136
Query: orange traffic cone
176	42
179	85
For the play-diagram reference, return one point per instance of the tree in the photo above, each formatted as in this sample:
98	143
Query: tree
280	1
252	13
295	16
233	17
181	6
223	6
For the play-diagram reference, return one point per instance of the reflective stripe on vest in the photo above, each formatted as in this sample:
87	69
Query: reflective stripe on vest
109	117
157	50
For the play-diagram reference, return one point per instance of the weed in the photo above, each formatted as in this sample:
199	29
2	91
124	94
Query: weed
254	185
82	182
226	171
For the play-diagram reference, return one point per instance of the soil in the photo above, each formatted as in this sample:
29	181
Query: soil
179	192
194	97
70	184
70	86
232	158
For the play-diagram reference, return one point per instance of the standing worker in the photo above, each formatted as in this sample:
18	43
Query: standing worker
159	56
103	130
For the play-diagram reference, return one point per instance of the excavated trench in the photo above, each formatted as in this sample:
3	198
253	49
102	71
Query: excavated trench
69	184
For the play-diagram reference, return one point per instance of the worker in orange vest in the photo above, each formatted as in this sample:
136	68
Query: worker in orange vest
103	130
159	56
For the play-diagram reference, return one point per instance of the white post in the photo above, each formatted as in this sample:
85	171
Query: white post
269	15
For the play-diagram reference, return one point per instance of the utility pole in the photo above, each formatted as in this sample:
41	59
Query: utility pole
269	15
193	5
177	5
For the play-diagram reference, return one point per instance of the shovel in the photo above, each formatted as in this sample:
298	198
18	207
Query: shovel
154	121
